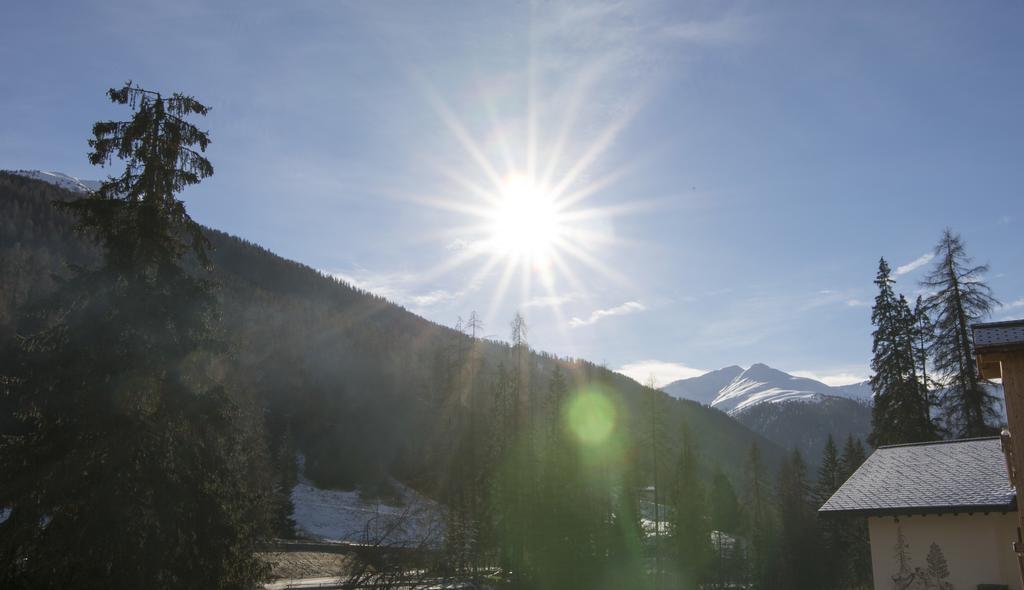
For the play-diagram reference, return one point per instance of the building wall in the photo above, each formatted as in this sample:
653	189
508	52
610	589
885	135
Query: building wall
977	549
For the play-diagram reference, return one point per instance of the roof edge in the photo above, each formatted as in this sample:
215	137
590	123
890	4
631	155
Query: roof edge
921	510
1001	324
938	442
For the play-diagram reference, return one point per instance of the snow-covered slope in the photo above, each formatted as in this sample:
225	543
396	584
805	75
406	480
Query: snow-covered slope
60	179
733	389
791	411
763	384
857	391
703	389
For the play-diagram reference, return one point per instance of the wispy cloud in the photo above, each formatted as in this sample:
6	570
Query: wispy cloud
401	287
752	320
388	285
914	264
1011	310
664	372
550	300
599	314
832	379
435	297
729	30
1014	304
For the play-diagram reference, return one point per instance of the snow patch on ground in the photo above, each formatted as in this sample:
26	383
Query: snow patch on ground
647	525
339	516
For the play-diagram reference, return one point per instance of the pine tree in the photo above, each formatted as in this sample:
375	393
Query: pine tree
856	564
960	297
725	522
657	436
923	335
828	472
690	532
760	523
131	448
852	458
799	538
830	477
899	413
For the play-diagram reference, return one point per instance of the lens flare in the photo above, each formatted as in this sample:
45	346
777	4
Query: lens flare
591	417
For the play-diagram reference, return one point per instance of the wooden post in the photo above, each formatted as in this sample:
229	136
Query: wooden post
1000	353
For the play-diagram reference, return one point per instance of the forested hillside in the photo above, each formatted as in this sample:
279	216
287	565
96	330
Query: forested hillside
361	386
807	425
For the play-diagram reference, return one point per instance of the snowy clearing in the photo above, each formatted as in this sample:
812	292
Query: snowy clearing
340	516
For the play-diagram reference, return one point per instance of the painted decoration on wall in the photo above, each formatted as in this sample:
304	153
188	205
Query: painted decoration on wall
908	577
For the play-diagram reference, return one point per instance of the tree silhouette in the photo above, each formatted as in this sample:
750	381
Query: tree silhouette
129	445
960	297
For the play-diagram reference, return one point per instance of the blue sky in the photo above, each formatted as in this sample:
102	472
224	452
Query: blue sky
730	172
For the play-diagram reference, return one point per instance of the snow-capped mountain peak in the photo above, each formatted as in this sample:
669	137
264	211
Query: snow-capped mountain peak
60	179
761	383
705	388
734	389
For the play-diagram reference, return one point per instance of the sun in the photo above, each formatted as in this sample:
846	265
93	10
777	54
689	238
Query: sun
530	203
525	223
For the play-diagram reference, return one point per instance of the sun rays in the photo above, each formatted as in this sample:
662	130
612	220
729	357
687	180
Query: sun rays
525	173
521	211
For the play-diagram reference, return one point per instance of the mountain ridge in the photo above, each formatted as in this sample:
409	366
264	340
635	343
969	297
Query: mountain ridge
759	384
333	365
65	181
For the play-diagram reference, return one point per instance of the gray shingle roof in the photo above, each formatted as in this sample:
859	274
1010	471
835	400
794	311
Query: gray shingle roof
953	476
998	335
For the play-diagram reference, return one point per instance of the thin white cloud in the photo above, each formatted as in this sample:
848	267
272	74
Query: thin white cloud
599	314
857	303
914	264
664	372
730	30
1011	310
832	379
461	244
402	288
435	297
387	285
549	300
1014	304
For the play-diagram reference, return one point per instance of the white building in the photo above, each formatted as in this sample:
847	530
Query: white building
941	515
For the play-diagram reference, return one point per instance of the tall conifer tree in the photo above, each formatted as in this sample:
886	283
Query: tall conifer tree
724	509
799	539
834	553
857	549
923	335
760	523
690	532
899	413
959	298
131	464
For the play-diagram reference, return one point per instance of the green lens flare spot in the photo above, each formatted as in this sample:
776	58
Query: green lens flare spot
591	417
